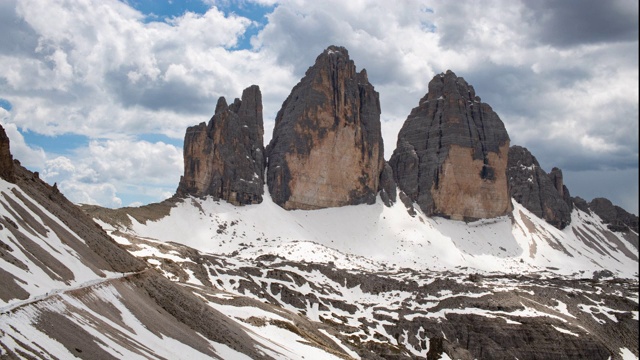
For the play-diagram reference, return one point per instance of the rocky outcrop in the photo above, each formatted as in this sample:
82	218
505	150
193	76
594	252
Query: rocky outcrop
451	155
545	195
6	159
225	159
326	149
617	218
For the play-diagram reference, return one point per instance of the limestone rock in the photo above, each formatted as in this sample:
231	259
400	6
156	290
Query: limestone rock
225	159
617	218
451	154
545	195
327	149
580	203
6	159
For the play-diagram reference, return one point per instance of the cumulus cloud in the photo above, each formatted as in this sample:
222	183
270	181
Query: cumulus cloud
115	172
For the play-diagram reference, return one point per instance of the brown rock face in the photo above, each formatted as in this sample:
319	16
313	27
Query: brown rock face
6	159
327	148
225	159
451	155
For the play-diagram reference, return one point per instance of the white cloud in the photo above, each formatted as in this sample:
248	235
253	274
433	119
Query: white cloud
112	172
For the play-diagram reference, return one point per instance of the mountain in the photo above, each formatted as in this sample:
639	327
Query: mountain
68	290
451	155
543	194
225	159
226	270
327	148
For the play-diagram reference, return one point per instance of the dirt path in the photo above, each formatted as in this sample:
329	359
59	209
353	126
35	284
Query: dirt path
10	307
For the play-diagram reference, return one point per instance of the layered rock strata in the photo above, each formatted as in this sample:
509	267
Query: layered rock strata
326	149
451	154
225	158
543	194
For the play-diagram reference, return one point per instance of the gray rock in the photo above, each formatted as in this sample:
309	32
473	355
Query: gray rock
225	159
327	149
6	159
580	203
617	218
543	194
451	154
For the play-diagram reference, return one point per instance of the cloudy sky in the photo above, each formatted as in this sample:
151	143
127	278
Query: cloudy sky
96	95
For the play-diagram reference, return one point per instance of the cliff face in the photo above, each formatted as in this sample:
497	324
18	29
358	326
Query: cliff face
225	159
6	159
451	155
327	148
543	194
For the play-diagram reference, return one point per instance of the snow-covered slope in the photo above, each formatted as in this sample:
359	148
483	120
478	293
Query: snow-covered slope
67	290
371	236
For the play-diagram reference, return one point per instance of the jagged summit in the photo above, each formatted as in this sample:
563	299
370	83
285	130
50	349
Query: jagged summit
543	194
225	159
451	154
327	147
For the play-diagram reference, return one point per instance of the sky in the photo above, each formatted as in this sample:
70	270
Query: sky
96	95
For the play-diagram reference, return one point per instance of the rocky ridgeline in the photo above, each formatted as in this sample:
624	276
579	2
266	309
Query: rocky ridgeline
451	155
225	159
543	194
327	147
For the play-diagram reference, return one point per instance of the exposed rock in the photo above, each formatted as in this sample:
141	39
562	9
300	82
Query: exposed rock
543	194
451	155
225	159
327	148
580	203
6	159
387	185
617	218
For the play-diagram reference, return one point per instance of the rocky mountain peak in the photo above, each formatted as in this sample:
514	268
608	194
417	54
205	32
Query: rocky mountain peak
451	154
225	159
617	218
545	195
6	159
327	148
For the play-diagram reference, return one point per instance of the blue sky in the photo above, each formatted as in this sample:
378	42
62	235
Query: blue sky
96	96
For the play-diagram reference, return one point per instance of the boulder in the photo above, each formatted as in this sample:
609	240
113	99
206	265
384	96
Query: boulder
226	158
451	154
327	149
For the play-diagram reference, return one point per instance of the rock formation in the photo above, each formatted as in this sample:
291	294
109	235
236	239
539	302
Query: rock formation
451	155
617	218
225	159
545	195
327	148
6	160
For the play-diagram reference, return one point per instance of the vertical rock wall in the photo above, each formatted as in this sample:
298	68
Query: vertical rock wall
451	155
327	147
225	159
543	194
6	159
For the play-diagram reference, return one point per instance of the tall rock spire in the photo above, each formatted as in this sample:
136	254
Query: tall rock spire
327	148
451	155
6	159
225	159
